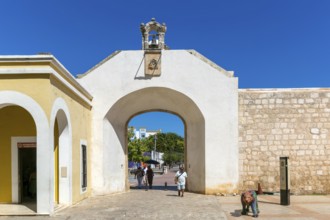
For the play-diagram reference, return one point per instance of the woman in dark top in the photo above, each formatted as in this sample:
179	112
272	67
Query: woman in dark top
150	176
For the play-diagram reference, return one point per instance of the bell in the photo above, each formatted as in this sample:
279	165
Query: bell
154	42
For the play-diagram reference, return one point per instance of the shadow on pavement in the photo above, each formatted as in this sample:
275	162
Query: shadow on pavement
174	195
273	203
236	213
168	188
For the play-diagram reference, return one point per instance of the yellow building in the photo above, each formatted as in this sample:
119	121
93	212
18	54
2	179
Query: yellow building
44	126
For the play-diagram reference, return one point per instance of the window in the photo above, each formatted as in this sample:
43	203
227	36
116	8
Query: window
83	167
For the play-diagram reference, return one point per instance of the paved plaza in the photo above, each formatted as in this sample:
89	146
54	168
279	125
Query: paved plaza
161	203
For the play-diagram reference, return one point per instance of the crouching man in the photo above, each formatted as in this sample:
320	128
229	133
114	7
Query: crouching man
249	198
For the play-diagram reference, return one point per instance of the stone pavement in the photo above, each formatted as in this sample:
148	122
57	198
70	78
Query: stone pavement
159	203
300	208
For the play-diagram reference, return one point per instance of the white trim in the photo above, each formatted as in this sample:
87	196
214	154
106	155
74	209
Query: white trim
61	112
76	88
15	197
63	75
83	142
43	151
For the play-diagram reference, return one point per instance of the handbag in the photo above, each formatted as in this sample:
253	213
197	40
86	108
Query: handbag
176	178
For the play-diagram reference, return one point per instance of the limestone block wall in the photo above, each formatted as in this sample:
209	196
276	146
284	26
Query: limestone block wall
285	122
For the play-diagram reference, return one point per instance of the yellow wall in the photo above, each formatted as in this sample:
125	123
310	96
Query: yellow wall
80	122
14	121
37	87
44	89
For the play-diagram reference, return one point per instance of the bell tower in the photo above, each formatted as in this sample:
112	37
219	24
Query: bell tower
153	35
153	42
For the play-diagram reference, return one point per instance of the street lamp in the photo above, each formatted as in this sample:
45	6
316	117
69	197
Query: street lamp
155	137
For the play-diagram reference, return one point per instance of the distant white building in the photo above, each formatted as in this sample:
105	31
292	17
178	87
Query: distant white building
143	133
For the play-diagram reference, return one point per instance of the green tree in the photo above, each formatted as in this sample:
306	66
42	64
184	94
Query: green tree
171	144
136	148
130	134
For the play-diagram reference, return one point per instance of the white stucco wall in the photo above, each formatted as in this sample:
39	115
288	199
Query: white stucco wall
205	97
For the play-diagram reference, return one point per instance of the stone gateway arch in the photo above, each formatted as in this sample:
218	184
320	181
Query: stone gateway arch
202	94
182	82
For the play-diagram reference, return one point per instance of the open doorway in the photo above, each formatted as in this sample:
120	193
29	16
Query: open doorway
156	142
113	147
27	174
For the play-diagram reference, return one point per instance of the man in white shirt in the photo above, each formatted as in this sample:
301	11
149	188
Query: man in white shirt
180	178
145	179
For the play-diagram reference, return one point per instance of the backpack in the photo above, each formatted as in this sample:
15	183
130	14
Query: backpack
139	173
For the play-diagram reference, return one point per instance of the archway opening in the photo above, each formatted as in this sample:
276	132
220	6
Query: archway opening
114	135
155	141
40	138
18	156
61	159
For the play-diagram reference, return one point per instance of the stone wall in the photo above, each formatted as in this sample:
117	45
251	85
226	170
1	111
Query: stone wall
285	122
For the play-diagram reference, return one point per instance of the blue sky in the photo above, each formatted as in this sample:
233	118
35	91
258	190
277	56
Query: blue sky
267	43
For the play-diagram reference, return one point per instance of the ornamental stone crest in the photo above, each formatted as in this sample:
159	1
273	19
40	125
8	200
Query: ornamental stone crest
153	65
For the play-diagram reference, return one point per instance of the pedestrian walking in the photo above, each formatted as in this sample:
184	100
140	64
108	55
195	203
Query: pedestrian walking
139	173
150	176
180	180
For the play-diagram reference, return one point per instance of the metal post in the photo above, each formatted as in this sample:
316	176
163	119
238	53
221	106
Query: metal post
155	137
284	181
